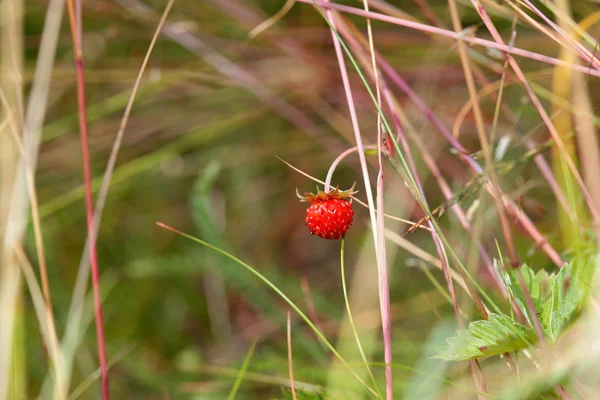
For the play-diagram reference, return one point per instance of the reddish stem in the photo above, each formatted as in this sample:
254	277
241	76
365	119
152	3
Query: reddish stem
89	200
89	208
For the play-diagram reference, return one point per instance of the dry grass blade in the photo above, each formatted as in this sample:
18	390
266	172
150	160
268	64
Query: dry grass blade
542	112
14	237
34	118
12	351
46	321
470	189
271	21
483	140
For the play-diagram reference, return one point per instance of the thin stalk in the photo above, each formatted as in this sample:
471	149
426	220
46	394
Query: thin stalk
13	357
562	84
337	161
271	285
450	34
428	12
439	247
483	140
384	290
242	372
579	49
354	198
46	322
512	209
543	114
382	267
89	201
545	169
400	160
351	318
427	157
74	315
237	74
51	339
381	262
34	117
290	364
355	125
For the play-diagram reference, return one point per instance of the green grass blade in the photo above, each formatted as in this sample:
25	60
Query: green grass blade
260	276
351	320
240	377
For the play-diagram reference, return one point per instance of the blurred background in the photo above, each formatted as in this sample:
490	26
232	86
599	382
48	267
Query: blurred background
216	113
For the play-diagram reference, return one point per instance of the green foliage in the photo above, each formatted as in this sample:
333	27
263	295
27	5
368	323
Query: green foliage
536	285
557	298
498	335
569	291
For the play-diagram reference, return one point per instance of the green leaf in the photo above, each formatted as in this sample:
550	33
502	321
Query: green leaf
536	284
495	336
569	291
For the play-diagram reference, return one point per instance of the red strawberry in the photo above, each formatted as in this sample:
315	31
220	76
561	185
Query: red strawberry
329	215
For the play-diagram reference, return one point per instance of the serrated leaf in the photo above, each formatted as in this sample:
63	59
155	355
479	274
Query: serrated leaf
569	291
537	285
497	335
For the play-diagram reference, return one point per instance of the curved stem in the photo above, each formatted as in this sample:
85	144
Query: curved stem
336	163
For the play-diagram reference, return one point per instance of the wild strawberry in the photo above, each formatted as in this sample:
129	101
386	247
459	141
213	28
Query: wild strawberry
329	215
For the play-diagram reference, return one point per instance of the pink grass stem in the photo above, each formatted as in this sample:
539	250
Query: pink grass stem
89	206
543	114
383	274
579	49
539	159
513	210
436	240
453	35
337	161
384	289
89	201
354	43
384	296
354	120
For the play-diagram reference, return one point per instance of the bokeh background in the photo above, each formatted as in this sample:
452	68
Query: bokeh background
215	112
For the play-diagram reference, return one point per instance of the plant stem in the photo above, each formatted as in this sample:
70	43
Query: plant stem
450	34
89	201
